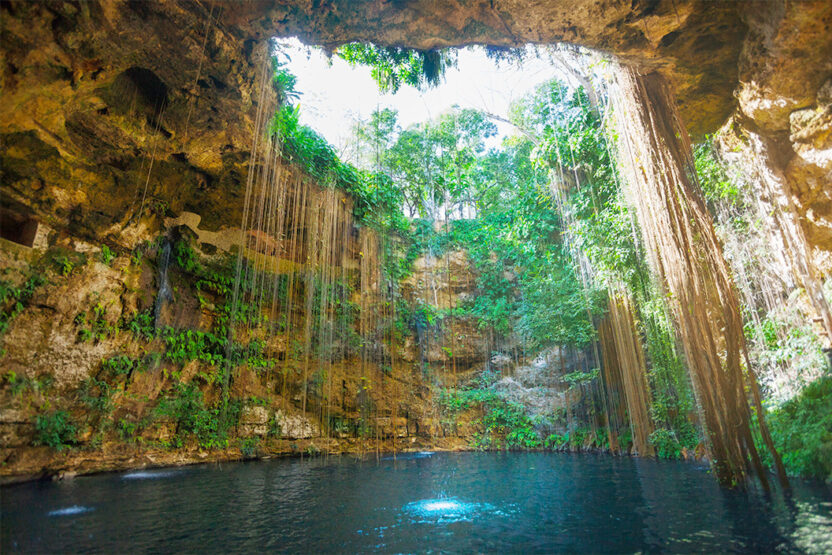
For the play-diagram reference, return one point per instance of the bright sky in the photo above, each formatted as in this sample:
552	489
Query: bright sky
334	94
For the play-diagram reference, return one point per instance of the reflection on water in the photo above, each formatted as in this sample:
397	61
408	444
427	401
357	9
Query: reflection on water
74	510
408	456
444	510
149	474
533	502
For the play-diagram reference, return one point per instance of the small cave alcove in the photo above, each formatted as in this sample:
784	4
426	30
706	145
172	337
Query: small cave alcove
139	91
18	225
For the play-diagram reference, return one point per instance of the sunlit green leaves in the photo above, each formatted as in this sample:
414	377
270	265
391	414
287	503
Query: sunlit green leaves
392	66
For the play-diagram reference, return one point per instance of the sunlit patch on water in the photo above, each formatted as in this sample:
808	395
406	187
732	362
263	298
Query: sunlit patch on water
68	511
813	530
448	509
149	475
409	456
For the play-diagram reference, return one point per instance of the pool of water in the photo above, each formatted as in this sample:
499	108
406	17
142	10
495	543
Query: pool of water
458	502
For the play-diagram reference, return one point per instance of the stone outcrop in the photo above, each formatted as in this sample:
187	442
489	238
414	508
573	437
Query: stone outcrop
785	96
94	93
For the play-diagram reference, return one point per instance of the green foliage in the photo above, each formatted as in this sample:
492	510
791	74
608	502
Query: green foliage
129	430
20	384
14	300
802	431
250	447
625	439
453	401
556	441
136	258
283	80
715	183
56	430
577	439
64	265
61	260
186	257
120	365
107	255
276	430
186	345
94	326
787	340
96	395
210	347
186	408
438	161
666	443
672	396
505	424
509	420
393	66
376	202
578	377
141	325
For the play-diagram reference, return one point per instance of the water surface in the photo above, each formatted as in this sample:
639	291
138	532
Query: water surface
457	502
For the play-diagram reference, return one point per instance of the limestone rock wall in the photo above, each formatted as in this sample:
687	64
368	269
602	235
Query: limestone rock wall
784	96
95	93
57	352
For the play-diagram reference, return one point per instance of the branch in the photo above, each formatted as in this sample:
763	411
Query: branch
529	135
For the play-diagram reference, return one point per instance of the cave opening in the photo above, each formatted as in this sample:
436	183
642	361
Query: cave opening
137	91
487	298
518	202
17	224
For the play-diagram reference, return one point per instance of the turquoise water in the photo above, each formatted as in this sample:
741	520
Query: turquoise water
457	502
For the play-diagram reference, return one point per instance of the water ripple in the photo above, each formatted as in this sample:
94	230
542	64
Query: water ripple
149	475
69	511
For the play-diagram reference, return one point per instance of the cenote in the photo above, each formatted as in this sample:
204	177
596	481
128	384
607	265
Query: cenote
439	502
569	260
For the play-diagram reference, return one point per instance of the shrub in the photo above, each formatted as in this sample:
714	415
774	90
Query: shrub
250	447
666	444
107	255
120	365
13	300
556	441
802	431
96	394
128	429
186	407
64	265
55	430
141	325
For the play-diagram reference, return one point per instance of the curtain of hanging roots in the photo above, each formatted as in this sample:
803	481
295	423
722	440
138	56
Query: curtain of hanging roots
624	354
685	253
611	374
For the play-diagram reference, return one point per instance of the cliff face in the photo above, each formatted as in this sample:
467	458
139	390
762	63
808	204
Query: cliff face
104	371
121	121
785	99
94	93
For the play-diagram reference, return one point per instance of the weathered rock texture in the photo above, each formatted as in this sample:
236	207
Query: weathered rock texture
50	363
785	98
95	93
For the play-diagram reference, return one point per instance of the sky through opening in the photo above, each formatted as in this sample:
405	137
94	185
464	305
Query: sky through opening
334	94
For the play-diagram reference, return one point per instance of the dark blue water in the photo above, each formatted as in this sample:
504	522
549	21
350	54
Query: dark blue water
457	502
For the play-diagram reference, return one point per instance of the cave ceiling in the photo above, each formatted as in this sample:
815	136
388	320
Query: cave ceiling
82	82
